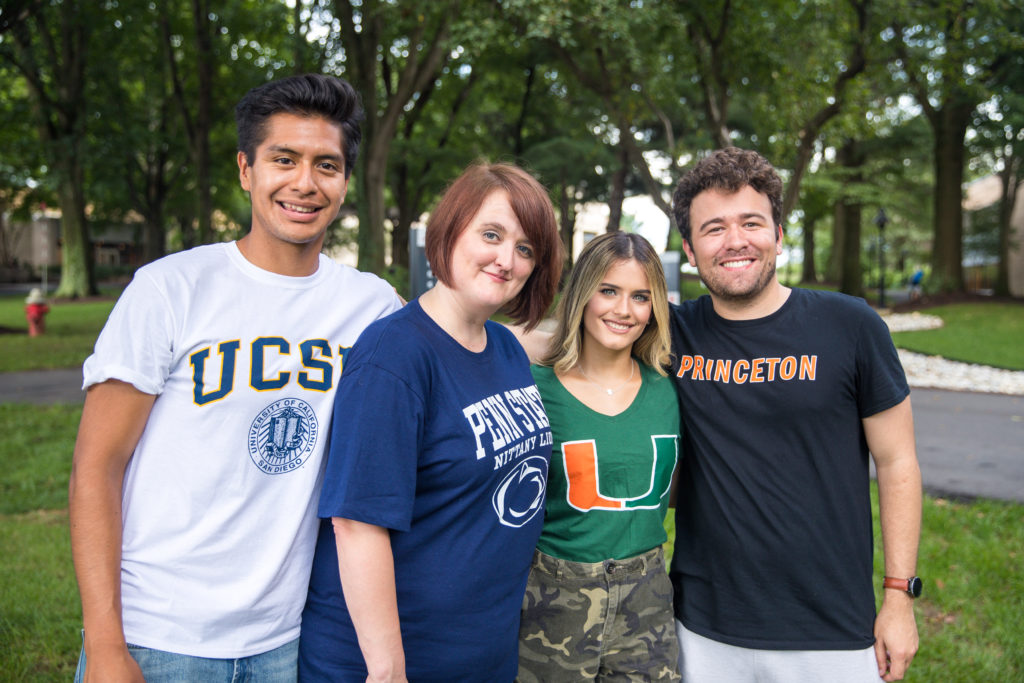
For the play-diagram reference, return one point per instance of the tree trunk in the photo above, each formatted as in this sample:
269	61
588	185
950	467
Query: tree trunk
371	204
848	213
371	73
154	238
56	92
1010	177
950	126
566	221
851	274
618	191
77	278
204	117
808	272
834	265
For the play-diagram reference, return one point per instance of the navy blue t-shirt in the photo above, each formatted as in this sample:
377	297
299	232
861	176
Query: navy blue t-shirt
448	449
773	525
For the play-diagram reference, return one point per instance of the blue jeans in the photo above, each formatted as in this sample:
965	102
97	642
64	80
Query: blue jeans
279	665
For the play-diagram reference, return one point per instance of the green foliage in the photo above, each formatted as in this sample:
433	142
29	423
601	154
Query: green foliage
574	90
986	333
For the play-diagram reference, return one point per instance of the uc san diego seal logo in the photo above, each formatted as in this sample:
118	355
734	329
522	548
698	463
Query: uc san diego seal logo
283	435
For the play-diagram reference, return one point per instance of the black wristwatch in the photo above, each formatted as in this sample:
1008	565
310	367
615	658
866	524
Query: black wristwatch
911	586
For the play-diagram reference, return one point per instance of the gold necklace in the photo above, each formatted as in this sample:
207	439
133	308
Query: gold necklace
632	370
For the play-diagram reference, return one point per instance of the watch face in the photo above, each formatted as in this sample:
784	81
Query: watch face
914	586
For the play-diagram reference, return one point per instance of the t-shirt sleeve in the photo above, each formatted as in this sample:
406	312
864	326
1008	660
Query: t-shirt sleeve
882	381
375	442
136	344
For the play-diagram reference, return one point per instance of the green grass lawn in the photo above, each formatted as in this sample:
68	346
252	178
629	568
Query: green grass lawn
40	616
986	333
971	617
71	331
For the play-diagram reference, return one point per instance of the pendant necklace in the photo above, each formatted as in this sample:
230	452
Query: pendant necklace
632	370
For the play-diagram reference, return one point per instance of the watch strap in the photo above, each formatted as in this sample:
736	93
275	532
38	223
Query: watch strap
897	584
911	586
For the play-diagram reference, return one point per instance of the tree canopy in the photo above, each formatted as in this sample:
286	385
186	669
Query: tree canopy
122	112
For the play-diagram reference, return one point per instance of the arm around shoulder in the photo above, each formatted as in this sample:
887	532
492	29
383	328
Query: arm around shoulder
535	342
113	419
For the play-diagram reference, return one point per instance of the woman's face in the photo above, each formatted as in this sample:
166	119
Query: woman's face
492	258
619	310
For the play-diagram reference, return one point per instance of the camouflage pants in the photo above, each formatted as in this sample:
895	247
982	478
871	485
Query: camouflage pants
602	621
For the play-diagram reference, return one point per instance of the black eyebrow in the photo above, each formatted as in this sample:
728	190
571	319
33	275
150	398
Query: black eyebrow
281	149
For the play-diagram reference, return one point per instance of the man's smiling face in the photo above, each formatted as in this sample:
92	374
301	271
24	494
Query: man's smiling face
734	244
296	179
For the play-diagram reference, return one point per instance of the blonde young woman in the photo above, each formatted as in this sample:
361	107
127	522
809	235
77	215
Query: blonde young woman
598	603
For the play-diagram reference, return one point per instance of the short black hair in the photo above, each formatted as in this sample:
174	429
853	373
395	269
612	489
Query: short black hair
305	95
730	169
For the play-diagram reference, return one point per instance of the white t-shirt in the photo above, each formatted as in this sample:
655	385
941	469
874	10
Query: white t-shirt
219	502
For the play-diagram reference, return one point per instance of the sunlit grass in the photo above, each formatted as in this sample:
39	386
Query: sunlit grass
985	333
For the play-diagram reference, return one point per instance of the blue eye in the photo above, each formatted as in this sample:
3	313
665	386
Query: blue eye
525	250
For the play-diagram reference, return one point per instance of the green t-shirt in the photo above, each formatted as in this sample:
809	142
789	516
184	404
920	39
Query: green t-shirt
608	484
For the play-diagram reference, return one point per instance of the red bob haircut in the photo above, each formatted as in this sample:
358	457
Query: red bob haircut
532	207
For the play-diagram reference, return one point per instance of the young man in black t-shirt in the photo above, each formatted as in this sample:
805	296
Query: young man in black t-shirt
784	393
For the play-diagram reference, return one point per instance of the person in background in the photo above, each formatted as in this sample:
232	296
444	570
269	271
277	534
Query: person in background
915	284
199	455
785	394
598	604
433	495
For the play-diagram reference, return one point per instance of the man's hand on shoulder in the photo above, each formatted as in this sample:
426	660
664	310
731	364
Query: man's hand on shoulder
896	637
535	342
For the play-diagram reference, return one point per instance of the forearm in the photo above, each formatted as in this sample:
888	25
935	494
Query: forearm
367	569
899	505
113	419
95	514
890	437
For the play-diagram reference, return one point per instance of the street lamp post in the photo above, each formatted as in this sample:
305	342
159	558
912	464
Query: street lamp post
880	220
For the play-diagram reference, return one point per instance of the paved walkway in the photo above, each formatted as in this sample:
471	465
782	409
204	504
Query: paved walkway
970	444
42	386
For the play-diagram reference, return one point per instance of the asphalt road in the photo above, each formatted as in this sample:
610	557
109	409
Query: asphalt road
970	445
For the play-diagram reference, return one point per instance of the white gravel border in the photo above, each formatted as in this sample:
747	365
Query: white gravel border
935	372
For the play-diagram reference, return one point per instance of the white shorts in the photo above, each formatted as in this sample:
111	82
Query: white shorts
703	660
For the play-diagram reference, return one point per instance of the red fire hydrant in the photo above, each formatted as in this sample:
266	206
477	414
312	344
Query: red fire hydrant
35	312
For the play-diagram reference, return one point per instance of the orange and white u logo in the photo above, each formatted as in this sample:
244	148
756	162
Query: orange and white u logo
581	473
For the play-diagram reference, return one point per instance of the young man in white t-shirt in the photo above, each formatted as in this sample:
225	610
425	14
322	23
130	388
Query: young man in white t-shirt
199	455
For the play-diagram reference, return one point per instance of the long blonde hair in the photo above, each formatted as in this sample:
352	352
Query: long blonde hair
653	347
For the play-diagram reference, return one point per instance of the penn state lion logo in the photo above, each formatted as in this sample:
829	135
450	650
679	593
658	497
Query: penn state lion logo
520	495
283	435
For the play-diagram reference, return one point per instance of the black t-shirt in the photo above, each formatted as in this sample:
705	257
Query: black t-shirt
773	524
